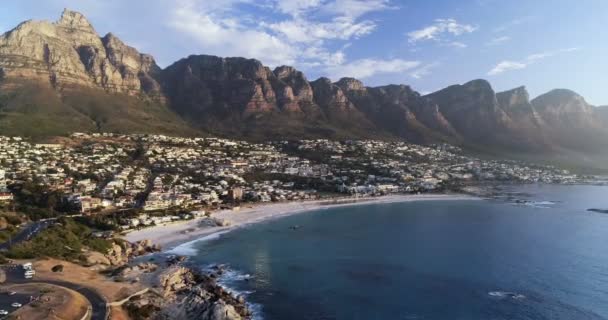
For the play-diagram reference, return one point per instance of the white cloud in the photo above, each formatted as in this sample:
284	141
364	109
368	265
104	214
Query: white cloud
365	68
302	31
423	71
439	29
307	37
498	41
505	66
296	7
219	34
355	8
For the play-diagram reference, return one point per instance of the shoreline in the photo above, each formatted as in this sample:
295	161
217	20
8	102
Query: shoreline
179	237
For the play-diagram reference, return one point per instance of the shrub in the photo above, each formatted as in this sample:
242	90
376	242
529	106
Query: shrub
65	241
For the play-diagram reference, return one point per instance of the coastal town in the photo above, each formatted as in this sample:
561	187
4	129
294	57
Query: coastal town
93	202
151	174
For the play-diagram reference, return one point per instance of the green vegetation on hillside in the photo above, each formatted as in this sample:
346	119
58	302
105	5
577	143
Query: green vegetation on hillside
65	240
38	111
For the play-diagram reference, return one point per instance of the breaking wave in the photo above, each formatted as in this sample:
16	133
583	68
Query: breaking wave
506	294
230	280
189	248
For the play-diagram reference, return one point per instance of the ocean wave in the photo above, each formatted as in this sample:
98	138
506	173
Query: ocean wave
544	204
506	294
229	280
189	248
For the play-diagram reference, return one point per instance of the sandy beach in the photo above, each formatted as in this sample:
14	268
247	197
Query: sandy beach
183	233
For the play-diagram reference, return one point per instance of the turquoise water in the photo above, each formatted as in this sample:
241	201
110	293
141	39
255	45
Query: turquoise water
545	259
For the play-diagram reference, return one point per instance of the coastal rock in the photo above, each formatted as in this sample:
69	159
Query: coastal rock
215	222
122	251
96	258
175	279
133	273
220	311
191	295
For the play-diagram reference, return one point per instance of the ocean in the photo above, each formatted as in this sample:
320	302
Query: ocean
534	254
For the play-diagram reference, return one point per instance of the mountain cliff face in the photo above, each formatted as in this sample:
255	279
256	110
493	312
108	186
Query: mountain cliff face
237	96
473	110
400	110
562	107
60	77
69	53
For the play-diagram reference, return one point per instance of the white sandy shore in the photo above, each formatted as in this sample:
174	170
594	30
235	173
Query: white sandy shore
185	233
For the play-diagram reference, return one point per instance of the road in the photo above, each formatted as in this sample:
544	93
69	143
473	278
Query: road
27	233
6	301
14	275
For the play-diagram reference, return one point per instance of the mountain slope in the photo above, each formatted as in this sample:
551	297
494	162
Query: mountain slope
571	121
241	97
59	77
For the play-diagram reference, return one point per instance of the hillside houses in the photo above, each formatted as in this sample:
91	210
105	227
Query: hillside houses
105	171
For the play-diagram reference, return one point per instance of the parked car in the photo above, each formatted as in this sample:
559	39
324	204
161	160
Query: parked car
3	312
16	305
12	293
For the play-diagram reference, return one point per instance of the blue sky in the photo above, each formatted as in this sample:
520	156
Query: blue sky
543	44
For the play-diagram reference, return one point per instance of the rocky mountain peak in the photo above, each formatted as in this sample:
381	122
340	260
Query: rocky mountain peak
69	54
562	108
561	101
112	39
295	82
350	84
330	96
285	72
76	21
399	91
478	85
514	97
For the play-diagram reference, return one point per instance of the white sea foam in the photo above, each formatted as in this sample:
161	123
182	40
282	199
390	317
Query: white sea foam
499	294
189	248
506	294
536	204
229	281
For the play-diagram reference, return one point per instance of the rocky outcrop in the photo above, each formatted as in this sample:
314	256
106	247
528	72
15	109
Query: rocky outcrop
295	92
69	53
189	294
121	251
132	273
330	96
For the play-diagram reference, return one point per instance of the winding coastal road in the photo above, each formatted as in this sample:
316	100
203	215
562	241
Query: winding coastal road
98	303
27	233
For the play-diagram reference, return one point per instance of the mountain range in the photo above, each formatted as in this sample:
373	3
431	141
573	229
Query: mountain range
61	77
